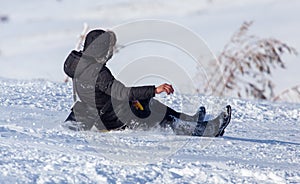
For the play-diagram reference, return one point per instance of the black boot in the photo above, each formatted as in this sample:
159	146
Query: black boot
201	124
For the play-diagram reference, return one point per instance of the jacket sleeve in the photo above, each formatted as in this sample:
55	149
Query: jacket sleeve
121	92
116	89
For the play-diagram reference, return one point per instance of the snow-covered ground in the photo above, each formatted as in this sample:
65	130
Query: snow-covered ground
261	145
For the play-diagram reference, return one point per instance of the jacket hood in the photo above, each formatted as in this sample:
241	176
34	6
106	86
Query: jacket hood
98	48
99	44
72	67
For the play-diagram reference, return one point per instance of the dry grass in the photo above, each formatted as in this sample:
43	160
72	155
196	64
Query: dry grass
245	65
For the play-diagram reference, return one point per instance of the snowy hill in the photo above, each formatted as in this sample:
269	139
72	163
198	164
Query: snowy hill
261	145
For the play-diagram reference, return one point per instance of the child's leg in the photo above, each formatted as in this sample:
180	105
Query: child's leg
168	114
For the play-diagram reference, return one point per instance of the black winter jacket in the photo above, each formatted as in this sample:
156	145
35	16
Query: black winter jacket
96	86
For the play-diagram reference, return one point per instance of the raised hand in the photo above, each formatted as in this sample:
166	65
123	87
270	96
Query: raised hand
164	88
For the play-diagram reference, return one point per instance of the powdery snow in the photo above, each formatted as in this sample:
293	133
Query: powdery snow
261	145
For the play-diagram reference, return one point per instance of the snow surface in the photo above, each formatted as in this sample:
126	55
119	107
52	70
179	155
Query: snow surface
261	145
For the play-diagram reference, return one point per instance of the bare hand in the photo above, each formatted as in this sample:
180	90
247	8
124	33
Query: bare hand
164	88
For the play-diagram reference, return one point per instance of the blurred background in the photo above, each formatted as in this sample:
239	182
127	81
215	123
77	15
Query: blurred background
36	36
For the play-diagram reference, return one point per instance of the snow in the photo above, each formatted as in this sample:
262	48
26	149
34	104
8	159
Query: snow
261	145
